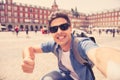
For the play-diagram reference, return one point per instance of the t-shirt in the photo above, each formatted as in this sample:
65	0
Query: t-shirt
65	59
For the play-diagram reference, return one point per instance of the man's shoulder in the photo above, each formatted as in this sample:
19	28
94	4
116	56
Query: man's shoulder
81	39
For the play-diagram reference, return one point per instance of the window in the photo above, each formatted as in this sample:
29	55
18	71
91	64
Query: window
15	8
45	17
2	13
112	18
36	16
48	12
9	1
36	10
119	13
2	7
112	14
40	16
45	22
40	11
26	15
44	12
15	14
116	13
31	10
2	19
9	7
116	18
21	9
31	15
16	20
9	19
21	14
119	18
40	21
109	19
21	20
26	9
9	14
118	23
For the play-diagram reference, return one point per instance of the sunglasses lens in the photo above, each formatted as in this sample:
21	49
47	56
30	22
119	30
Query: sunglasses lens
64	26
53	29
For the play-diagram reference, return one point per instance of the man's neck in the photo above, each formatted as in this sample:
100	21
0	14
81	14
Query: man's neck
66	47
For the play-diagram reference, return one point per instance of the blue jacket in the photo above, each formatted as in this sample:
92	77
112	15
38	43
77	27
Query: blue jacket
84	45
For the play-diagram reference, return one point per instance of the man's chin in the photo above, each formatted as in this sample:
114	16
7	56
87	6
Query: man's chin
61	43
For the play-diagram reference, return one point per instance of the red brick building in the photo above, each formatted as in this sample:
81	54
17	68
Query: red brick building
105	19
28	16
35	17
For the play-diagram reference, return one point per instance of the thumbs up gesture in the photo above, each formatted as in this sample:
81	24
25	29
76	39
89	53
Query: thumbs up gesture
28	65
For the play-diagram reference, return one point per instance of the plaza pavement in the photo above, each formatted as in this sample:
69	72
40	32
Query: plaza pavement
11	47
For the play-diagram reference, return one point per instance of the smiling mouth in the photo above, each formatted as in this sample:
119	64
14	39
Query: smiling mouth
61	37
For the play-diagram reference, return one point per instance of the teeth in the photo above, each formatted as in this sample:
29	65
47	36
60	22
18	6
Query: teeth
60	37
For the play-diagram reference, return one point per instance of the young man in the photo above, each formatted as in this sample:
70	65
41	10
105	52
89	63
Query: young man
62	46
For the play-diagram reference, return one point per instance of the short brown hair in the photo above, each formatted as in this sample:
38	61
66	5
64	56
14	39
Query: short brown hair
58	14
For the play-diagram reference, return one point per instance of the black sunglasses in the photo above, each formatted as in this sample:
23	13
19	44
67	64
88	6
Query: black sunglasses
63	27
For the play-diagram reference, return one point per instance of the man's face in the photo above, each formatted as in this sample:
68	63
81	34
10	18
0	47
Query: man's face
62	37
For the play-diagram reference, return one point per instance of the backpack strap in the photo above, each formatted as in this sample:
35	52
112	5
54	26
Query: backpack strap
76	53
79	58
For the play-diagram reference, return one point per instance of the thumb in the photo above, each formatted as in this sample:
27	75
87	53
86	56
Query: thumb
29	61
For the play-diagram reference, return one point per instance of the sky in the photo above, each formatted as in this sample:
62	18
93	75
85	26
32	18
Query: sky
84	6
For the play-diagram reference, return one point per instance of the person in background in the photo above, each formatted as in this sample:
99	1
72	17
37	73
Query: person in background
36	30
106	59
113	32
17	29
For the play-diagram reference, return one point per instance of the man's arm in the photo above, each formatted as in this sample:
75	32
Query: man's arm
30	51
28	58
102	56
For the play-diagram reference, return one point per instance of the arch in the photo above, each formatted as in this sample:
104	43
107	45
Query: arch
41	27
26	27
31	28
36	27
21	27
45	26
10	27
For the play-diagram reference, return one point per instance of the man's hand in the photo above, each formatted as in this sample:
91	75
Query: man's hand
28	65
28	58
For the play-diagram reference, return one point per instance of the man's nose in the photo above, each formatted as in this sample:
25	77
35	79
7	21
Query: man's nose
59	30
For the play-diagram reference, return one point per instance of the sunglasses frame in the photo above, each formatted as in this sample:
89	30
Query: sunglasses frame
62	27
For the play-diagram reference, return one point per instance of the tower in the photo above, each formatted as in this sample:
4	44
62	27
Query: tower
54	6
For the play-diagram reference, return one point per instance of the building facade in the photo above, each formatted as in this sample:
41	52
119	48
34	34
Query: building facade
23	15
105	19
36	17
